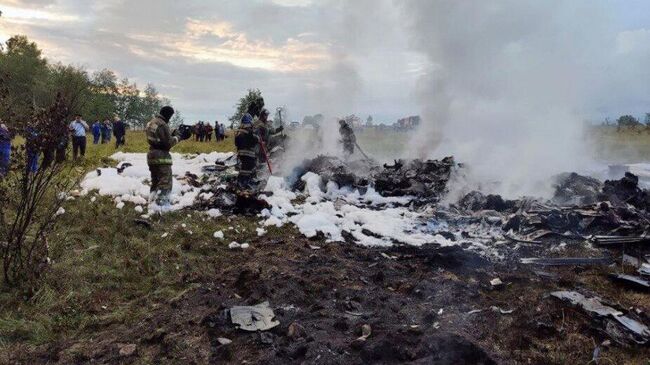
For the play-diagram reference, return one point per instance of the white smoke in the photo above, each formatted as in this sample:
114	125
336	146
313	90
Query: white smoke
510	84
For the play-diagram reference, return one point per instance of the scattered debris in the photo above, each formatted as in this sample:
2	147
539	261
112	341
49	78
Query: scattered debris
258	317
633	281
145	223
496	283
567	261
128	350
366	331
224	341
494	308
634	330
295	330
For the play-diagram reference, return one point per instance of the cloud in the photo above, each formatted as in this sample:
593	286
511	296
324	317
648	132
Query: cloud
313	56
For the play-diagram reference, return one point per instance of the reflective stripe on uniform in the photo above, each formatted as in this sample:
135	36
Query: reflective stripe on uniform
160	161
246	153
245	172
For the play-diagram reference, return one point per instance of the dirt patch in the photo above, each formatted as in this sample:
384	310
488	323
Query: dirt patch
427	305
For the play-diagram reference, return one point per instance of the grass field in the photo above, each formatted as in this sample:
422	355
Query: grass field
104	267
107	270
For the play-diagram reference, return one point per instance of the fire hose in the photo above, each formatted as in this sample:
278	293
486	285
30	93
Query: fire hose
266	155
360	150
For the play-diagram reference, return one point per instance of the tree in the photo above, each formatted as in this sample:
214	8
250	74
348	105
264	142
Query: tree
177	119
30	198
252	103
103	100
26	87
627	121
72	85
647	119
127	103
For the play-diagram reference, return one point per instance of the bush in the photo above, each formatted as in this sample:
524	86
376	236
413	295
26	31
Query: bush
31	195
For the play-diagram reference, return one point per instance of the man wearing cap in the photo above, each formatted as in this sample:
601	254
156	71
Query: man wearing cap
246	142
161	140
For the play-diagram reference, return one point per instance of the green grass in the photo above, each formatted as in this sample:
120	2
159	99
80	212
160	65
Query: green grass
106	269
620	146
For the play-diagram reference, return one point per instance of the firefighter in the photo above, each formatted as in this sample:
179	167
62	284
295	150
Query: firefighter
246	142
348	139
159	159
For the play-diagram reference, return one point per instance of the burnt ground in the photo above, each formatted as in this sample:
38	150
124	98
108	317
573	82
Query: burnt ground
417	302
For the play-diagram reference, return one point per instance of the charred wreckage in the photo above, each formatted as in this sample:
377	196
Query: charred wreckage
608	222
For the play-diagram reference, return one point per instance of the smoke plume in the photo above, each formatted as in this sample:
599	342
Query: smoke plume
509	85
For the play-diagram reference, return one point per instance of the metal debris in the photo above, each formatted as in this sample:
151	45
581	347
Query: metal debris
619	240
567	261
635	331
258	317
635	281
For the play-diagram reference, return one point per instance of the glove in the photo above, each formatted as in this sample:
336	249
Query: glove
279	129
175	133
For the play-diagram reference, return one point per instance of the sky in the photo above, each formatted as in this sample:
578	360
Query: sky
368	57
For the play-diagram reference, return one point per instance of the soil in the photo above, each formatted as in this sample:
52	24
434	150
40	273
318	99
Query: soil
420	303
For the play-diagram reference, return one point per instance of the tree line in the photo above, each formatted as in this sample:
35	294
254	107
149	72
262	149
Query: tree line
629	122
33	82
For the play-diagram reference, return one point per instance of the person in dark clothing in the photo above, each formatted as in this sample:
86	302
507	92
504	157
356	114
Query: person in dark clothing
208	132
217	135
119	131
246	142
197	131
159	159
348	139
5	149
31	149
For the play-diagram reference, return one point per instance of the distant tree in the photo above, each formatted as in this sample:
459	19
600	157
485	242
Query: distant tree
647	119
252	103
177	119
26	88
104	95
128	102
627	121
369	121
35	83
73	86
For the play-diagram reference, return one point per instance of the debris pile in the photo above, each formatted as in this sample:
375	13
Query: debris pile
426	180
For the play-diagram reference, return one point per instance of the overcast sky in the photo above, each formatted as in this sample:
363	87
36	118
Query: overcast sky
337	57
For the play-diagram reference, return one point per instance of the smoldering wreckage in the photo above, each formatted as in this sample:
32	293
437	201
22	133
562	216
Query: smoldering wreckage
434	282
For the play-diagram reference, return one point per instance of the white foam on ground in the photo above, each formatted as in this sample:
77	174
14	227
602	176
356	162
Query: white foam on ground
373	220
132	185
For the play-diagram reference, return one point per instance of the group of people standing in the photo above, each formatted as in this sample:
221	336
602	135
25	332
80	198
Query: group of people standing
103	131
203	131
56	152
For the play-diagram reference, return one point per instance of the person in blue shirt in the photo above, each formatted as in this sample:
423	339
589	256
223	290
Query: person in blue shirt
78	128
5	149
97	131
107	129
